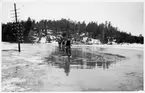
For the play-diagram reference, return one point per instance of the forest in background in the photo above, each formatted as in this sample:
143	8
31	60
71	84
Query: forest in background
104	32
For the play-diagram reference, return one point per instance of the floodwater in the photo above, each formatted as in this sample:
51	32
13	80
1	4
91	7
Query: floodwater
89	68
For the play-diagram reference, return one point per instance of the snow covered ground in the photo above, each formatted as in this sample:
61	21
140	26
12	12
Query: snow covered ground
123	46
42	67
43	40
97	43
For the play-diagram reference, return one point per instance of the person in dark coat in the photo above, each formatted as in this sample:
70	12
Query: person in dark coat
68	46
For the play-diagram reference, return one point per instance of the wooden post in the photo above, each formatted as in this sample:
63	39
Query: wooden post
17	23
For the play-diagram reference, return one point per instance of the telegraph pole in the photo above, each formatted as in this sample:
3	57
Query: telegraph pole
17	25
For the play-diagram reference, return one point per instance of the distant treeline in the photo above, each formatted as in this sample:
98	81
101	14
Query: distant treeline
105	32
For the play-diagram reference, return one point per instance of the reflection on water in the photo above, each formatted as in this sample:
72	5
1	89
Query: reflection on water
80	59
67	66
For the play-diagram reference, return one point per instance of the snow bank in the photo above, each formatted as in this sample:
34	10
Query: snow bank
82	34
91	41
43	40
129	46
52	37
85	39
95	41
8	46
125	46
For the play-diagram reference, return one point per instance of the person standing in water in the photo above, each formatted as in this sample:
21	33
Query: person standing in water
59	42
68	46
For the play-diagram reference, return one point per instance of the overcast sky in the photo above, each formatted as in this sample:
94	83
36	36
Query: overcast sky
127	16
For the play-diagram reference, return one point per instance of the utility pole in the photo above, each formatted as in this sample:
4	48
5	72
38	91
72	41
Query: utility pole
17	23
18	28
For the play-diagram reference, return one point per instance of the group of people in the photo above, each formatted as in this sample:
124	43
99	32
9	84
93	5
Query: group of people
65	44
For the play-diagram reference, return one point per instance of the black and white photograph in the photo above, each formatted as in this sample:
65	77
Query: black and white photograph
72	46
